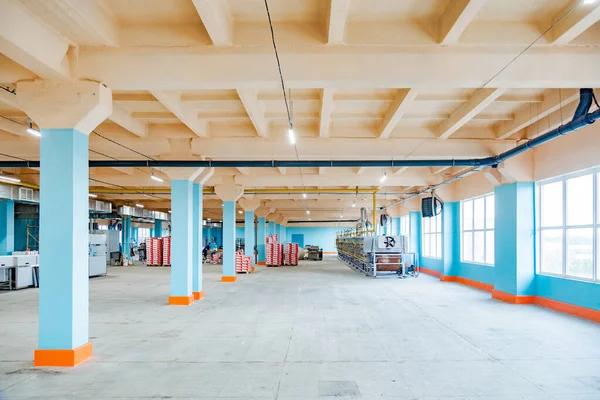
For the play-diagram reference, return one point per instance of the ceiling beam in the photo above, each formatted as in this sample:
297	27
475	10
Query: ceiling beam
28	42
401	66
84	22
439	170
217	19
395	112
336	21
322	171
398	171
553	100
282	170
12	127
124	118
187	115
255	110
326	111
575	23
456	18
466	112
8	98
244	170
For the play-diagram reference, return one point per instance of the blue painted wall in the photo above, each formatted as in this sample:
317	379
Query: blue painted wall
514	246
582	294
323	237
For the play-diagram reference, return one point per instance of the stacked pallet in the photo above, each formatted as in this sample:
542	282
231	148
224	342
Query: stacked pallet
274	256
166	259
154	251
243	263
291	254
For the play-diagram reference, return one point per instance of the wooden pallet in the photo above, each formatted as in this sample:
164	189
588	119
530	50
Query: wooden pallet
270	265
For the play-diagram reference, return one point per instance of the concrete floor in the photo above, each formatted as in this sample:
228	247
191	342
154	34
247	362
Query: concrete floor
316	331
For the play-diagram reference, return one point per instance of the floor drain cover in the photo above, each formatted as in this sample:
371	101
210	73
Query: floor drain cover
338	388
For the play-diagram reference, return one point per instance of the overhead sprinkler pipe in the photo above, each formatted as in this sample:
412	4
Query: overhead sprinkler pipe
580	120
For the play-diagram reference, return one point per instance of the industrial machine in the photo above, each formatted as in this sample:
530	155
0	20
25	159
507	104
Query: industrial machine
97	254
375	255
113	249
313	253
18	271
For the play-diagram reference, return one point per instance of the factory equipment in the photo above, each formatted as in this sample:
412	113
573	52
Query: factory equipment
97	254
314	253
19	270
113	248
375	255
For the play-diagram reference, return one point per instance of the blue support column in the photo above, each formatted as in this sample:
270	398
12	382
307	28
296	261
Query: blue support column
283	234
64	283
514	242
249	234
450	238
7	227
228	242
181	242
134	234
126	238
271	228
157	228
197	243
261	237
415	235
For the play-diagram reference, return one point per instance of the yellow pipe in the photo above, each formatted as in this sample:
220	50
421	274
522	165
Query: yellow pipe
374	211
103	190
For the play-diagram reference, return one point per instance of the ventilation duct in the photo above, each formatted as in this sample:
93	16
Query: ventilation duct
142	213
27	195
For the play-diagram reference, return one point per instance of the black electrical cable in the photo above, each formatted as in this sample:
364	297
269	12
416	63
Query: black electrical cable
285	99
123	146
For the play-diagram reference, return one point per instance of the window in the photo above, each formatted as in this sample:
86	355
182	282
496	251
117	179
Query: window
477	230
432	237
143	233
405	229
569	226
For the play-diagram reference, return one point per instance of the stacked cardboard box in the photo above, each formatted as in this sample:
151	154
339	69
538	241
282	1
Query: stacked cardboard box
291	254
166	259
154	251
243	263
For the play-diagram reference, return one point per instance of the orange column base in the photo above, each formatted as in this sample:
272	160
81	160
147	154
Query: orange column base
261	263
511	298
468	282
228	278
181	300
62	358
198	295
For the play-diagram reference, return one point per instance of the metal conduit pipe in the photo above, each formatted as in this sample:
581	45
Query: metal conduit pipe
579	121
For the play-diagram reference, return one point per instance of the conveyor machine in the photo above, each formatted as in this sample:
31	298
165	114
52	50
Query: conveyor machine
375	255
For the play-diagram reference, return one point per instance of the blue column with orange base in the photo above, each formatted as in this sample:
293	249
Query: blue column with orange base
228	242
249	234
261	233
182	234
514	242
197	242
64	284
450	238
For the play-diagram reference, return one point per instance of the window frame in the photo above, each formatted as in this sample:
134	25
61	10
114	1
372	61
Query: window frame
405	228
474	230
429	234
565	227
